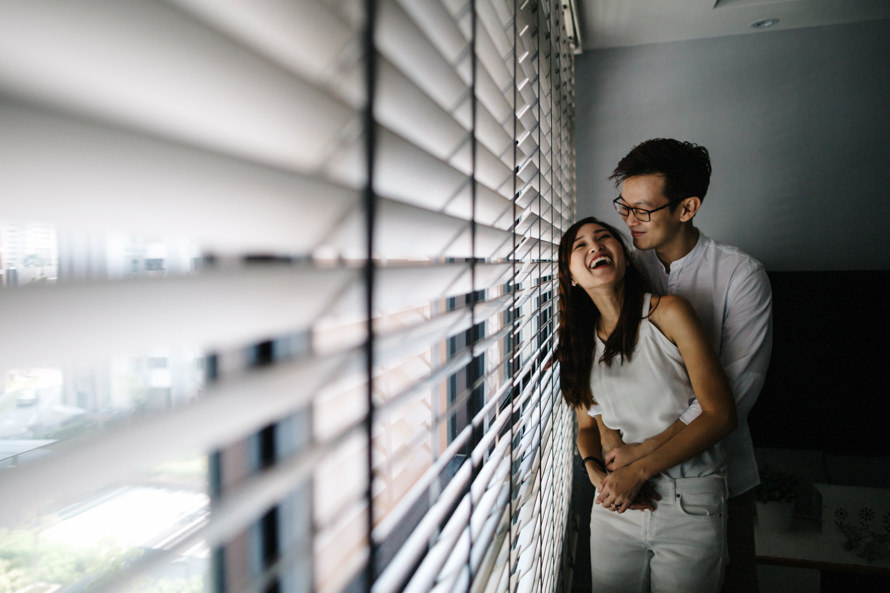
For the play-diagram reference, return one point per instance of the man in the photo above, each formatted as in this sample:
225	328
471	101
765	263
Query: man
663	183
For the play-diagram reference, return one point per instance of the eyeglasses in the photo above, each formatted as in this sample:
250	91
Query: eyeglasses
640	214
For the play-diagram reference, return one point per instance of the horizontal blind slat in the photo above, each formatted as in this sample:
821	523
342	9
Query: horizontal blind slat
408	173
404	108
238	407
394	344
498	28
92	320
454	448
408	285
430	62
149	186
489	94
406	232
392	578
493	136
102	58
306	37
442	30
492	60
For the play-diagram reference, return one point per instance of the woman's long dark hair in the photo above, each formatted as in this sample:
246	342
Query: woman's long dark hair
578	317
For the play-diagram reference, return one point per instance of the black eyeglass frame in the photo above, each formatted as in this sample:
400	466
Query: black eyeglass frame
632	210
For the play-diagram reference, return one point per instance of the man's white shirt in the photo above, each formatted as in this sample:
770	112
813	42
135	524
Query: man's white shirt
731	295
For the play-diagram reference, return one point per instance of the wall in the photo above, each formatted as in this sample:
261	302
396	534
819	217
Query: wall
798	126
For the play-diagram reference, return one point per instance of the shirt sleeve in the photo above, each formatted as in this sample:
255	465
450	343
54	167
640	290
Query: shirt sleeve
747	336
747	340
691	413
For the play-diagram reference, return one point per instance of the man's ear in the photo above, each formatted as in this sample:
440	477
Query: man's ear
689	207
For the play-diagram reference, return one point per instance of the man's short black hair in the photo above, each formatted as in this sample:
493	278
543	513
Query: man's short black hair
686	167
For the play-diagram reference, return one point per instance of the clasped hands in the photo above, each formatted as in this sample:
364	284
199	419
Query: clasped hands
623	487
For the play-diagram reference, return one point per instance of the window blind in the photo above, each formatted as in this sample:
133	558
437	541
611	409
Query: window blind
279	294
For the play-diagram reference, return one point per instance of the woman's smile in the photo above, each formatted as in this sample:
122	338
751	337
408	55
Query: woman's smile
599	261
595	251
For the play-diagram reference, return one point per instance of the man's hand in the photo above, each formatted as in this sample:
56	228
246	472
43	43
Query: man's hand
623	454
646	499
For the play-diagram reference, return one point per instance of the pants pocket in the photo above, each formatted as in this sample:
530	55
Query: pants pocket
702	497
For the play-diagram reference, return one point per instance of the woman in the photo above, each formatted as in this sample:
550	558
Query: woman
640	358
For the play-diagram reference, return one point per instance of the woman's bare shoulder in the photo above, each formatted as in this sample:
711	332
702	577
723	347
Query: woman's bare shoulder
671	313
670	304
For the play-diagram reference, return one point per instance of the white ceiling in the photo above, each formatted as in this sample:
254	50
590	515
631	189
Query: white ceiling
621	23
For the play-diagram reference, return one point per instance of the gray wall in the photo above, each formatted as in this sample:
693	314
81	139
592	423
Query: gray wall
797	123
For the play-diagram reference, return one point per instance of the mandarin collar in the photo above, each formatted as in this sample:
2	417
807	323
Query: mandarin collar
693	255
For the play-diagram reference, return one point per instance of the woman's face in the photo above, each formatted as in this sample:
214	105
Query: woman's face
596	258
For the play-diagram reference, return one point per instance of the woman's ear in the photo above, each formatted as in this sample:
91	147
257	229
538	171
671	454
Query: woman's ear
689	207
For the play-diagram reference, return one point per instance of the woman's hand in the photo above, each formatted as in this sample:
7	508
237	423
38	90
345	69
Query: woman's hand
618	490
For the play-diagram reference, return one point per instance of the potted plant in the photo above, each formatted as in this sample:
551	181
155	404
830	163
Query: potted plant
774	498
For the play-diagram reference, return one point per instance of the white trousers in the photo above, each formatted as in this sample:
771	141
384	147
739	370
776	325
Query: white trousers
678	548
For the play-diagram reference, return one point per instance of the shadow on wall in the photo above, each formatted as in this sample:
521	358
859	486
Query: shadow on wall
826	387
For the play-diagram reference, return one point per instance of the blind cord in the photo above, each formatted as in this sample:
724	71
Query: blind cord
369	202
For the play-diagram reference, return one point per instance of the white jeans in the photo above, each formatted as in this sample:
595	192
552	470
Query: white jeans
678	548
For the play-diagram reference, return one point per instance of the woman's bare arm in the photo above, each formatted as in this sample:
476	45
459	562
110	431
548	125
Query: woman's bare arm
609	438
589	446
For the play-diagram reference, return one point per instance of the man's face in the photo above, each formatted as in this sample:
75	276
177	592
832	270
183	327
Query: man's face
646	191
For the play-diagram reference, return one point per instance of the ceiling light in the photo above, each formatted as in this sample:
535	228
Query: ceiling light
763	23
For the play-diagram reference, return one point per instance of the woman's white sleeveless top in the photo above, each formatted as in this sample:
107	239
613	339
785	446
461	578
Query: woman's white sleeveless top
645	395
